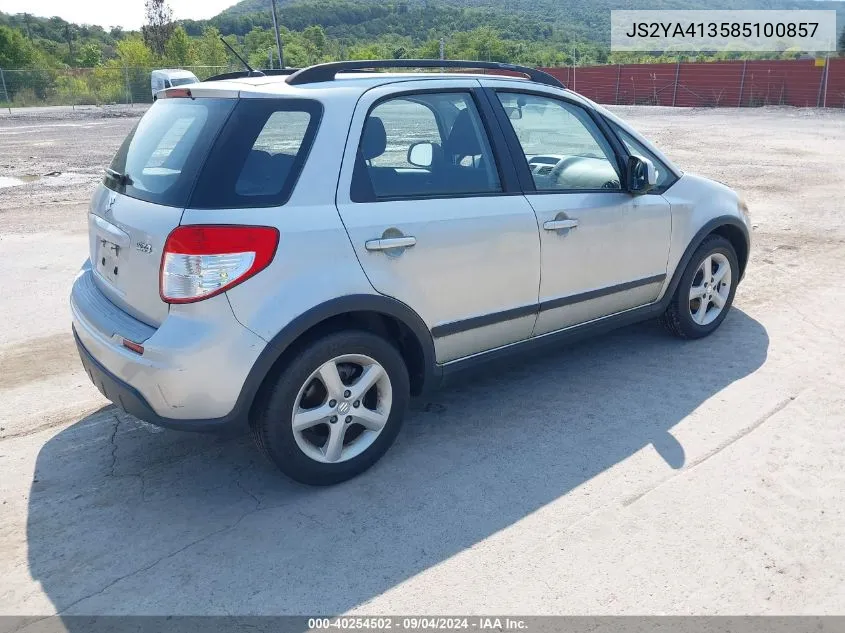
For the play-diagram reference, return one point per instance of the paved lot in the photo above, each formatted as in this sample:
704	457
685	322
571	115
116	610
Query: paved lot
630	474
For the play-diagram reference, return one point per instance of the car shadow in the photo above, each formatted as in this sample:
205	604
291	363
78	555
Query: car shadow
128	519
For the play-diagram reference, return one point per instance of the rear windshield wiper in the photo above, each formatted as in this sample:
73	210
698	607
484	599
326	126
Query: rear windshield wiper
122	179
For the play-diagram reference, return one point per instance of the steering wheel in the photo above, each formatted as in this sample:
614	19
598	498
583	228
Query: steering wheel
562	164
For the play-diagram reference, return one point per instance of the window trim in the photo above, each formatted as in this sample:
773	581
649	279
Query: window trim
615	129
518	154
361	192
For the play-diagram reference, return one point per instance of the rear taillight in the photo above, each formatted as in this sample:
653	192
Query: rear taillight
201	261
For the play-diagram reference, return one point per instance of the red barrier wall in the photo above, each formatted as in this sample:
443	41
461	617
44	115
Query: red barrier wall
800	83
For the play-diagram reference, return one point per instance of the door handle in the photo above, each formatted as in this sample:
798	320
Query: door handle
557	225
388	243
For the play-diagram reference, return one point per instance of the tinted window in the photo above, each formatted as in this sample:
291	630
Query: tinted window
664	176
273	154
564	148
406	122
431	144
159	160
259	155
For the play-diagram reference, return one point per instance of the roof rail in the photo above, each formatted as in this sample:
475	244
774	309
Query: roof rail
327	72
238	74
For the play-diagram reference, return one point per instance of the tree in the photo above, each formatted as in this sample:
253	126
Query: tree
179	50
257	43
91	56
70	35
133	53
212	52
315	36
159	27
15	50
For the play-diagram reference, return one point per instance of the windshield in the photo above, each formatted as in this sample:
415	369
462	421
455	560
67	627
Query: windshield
181	81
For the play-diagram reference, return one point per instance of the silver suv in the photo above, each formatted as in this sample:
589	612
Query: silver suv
302	253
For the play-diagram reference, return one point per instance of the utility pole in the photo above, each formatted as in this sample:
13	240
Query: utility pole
675	89
276	31
826	76
5	92
742	83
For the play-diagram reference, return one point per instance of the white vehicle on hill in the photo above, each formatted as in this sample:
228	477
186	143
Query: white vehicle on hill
170	78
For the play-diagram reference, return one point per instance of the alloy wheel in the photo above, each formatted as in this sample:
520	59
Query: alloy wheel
710	289
342	408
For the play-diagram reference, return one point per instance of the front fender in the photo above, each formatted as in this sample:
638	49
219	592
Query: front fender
699	207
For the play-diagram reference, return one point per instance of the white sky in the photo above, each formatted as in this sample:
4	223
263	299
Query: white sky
107	13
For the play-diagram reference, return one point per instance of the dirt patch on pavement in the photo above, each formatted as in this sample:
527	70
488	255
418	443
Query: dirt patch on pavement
37	359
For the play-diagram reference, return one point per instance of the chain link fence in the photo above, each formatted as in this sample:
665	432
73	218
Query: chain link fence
106	85
802	83
813	83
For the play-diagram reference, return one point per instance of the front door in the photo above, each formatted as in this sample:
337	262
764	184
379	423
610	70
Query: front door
604	250
436	221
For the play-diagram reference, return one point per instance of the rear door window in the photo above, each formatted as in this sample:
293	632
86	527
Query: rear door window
424	145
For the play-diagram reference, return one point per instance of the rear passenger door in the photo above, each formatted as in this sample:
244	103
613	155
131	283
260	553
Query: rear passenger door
437	219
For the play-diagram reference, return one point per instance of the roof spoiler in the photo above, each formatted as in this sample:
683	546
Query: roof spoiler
239	74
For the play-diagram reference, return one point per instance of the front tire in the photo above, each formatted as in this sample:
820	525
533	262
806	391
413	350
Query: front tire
335	409
705	292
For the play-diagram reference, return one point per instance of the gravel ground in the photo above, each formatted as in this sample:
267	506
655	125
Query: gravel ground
629	474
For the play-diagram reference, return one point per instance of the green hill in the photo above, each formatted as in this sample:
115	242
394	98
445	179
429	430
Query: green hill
579	19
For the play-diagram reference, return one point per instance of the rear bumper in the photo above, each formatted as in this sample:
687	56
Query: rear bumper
195	364
130	399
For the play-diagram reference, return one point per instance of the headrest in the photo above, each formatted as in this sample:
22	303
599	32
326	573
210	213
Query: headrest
374	139
463	139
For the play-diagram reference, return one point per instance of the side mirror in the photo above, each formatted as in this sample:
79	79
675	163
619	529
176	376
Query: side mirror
421	154
642	176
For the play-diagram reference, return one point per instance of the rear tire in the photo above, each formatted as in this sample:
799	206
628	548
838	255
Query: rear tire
335	409
705	292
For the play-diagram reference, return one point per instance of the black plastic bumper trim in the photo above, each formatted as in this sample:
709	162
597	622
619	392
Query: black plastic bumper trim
126	397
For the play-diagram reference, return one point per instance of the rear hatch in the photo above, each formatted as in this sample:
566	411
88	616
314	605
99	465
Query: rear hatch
142	198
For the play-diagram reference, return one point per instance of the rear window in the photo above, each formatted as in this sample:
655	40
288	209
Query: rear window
159	160
216	153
